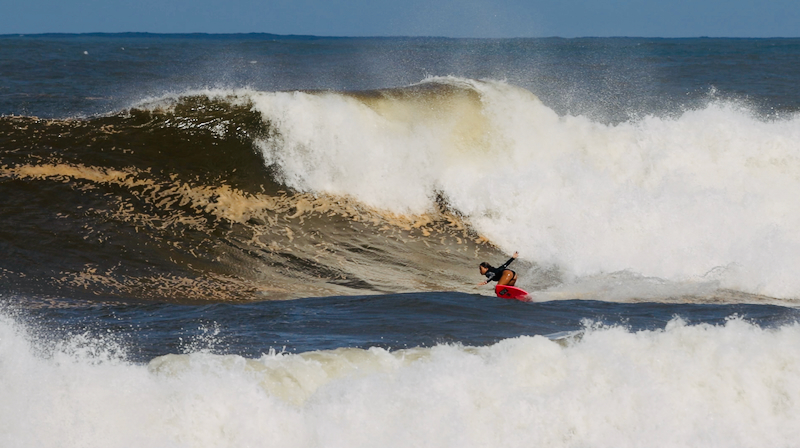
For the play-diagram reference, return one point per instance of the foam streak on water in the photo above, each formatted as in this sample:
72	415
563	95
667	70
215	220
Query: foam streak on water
734	385
704	197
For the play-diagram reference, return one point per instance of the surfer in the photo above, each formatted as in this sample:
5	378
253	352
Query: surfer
501	275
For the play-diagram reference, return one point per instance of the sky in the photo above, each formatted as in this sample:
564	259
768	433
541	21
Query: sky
447	18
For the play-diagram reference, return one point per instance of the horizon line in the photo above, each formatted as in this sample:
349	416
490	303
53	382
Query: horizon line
314	36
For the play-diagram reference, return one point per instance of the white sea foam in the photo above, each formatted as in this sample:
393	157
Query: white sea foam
735	385
708	197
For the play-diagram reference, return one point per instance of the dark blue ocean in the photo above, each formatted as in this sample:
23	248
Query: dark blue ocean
262	240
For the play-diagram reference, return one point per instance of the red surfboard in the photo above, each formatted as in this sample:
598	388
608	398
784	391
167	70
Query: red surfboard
511	292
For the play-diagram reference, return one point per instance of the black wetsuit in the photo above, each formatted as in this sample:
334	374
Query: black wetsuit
494	274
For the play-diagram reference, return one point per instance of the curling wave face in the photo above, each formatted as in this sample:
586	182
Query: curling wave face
404	189
171	202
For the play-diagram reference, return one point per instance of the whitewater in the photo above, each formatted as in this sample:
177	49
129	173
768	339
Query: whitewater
703	199
687	385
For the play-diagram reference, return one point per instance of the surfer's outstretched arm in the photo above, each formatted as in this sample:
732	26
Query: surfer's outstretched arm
504	266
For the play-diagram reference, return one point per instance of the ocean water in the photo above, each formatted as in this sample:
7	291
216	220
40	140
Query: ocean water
259	240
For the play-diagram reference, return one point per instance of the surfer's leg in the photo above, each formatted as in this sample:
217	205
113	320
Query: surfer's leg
507	278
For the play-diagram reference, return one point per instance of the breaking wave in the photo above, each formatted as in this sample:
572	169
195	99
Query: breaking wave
238	194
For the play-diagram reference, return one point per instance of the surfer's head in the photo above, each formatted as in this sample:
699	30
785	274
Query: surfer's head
484	267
